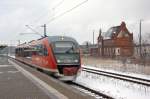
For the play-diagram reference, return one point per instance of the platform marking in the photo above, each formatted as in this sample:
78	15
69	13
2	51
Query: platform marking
37	80
13	71
1	72
5	65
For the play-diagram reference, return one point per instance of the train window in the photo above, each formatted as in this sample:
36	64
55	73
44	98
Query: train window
21	52
16	52
40	49
45	52
28	52
34	50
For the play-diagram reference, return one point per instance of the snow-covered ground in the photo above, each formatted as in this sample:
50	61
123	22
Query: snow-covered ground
116	65
116	88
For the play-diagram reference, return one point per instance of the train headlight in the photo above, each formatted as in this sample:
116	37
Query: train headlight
76	60
58	61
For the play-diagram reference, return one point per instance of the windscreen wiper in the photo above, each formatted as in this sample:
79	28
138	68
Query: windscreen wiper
69	49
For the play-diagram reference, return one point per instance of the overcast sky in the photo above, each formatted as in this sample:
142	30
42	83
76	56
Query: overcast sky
79	23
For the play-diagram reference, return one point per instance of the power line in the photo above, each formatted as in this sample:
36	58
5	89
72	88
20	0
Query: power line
40	17
35	32
62	14
61	2
31	33
54	18
46	12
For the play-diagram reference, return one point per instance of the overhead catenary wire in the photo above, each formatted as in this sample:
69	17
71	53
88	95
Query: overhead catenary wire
62	14
57	5
35	32
56	17
53	9
46	12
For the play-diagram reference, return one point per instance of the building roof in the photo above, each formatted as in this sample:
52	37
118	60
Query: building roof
114	31
110	32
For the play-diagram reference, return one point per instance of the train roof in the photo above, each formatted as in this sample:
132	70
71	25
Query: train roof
60	38
51	39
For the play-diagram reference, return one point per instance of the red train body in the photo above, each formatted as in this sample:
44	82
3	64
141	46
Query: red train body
56	54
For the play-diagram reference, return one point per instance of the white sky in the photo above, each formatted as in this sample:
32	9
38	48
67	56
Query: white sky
79	23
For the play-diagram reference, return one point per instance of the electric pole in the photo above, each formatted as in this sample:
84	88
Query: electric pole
140	38
93	37
18	42
44	30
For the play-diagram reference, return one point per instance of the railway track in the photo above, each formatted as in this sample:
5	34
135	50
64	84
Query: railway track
92	92
100	95
128	78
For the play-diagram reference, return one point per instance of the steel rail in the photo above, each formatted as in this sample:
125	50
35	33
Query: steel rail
119	76
91	90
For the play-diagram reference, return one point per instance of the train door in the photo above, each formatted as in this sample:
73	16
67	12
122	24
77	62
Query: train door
37	55
45	56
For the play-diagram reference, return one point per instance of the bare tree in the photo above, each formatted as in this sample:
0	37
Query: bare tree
146	38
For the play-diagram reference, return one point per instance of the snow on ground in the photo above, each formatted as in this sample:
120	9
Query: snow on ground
116	65
116	88
13	56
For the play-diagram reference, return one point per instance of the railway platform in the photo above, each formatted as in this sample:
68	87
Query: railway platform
19	81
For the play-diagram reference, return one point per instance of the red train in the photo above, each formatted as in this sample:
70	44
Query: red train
59	55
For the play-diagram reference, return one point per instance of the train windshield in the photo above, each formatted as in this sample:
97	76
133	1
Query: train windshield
66	52
65	47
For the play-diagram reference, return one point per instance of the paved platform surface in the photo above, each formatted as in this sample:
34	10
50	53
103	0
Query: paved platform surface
15	85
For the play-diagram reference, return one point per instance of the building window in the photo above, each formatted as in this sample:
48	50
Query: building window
117	51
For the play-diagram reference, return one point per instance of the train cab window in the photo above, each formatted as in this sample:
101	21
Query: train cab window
65	47
66	52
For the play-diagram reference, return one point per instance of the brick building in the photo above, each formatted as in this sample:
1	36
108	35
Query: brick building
117	41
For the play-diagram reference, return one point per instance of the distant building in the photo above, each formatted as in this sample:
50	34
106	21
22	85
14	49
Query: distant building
2	46
85	49
117	41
